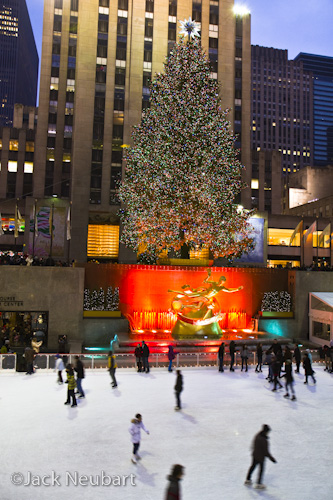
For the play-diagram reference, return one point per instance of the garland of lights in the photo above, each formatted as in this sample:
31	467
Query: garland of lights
99	301
276	302
183	173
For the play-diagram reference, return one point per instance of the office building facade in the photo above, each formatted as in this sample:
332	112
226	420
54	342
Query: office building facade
97	63
18	59
321	68
282	107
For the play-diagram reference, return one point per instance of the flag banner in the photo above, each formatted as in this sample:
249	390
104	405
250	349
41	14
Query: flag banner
51	221
325	236
311	230
1	230
68	224
35	221
16	223
298	230
41	246
308	245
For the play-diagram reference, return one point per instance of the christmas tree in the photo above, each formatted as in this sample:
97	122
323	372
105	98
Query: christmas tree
182	173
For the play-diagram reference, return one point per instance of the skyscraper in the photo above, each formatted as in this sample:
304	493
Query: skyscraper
97	62
18	59
282	110
321	68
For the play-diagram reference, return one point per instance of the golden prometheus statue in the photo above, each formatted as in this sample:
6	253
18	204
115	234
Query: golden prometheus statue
197	309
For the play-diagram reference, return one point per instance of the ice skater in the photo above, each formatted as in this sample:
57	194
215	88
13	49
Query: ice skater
79	368
112	368
244	356
259	357
145	354
71	386
178	389
221	356
232	349
276	367
138	357
260	452
135	432
308	371
171	357
289	379
297	356
59	366
173	491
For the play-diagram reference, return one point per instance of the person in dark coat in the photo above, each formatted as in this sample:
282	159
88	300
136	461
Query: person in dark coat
79	368
244	356
29	355
276	366
178	389
138	357
171	357
173	489
145	354
260	452
275	347
289	379
259	357
232	349
221	357
308	371
297	356
112	365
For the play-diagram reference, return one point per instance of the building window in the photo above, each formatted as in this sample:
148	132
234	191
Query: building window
103	241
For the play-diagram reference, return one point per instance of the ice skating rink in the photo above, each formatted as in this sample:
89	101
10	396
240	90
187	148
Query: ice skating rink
211	436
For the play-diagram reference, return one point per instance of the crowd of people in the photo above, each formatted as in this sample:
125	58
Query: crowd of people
23	259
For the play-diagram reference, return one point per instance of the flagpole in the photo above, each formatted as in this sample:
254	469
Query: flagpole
51	229
34	232
68	231
15	227
317	244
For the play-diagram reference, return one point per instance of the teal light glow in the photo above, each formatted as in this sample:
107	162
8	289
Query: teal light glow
274	327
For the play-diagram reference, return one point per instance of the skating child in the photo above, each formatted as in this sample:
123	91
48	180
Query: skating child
59	366
135	431
289	379
71	386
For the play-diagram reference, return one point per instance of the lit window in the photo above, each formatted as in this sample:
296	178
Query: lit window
28	167
13	145
254	183
12	166
103	241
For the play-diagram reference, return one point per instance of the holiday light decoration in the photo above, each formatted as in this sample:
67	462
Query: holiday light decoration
189	28
276	302
99	301
182	173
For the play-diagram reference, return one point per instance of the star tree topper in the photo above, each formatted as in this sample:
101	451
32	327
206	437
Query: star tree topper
190	28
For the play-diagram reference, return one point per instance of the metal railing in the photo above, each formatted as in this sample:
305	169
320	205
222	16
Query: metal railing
45	361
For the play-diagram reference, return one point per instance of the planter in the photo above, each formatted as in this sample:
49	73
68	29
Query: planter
101	314
276	314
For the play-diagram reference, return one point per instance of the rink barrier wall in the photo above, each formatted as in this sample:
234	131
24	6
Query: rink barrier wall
157	360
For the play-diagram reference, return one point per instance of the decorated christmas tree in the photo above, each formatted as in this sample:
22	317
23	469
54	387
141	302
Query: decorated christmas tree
182	173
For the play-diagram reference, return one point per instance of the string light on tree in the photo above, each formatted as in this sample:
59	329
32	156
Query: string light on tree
183	173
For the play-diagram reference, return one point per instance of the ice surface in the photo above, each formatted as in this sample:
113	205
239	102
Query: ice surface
211	436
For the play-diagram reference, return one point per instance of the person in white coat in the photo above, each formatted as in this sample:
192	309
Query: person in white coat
59	366
135	431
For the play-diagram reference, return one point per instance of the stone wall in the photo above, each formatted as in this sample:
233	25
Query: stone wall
56	290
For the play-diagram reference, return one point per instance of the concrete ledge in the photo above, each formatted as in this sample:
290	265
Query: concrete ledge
101	314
